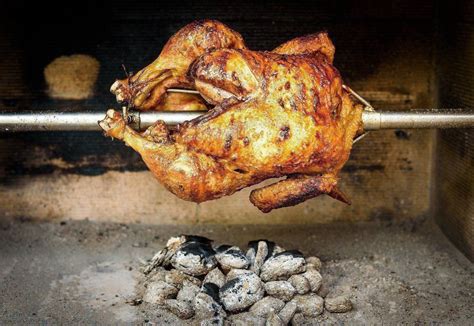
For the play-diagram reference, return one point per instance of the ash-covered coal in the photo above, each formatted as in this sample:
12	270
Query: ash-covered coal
216	285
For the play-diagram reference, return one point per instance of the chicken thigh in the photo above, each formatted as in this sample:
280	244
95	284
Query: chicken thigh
275	114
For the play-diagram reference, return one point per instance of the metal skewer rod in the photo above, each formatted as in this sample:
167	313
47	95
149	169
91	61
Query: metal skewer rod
418	119
83	121
182	90
88	121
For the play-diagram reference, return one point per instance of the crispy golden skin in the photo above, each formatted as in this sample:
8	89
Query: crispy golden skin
146	89
281	113
313	43
181	102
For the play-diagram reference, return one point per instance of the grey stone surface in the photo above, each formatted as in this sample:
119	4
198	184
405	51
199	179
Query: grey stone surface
310	305
340	303
158	292
241	292
176	278
213	321
244	319
206	307
233	273
182	309
215	276
313	262
194	261
232	258
274	320
188	292
314	279
300	283
260	255
267	305
282	265
280	289
287	313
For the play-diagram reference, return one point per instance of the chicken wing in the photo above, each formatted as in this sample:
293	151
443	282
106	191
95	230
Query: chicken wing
146	89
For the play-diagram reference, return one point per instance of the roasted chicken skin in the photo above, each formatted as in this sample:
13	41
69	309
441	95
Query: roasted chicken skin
275	114
181	102
146	89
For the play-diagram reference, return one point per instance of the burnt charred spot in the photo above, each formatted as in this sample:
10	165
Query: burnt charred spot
293	105
202	250
223	248
291	200
212	290
325	82
311	188
302	92
315	102
221	58
210	29
246	141
284	133
234	77
402	135
291	253
263	85
308	190
198	67
279	168
228	142
230	285
197	238
287	85
240	171
281	102
270	245
335	109
317	158
236	253
318	135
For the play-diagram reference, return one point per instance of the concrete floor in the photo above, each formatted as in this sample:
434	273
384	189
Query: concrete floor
84	272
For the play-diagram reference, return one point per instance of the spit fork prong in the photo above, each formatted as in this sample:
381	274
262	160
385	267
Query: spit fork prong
182	90
368	107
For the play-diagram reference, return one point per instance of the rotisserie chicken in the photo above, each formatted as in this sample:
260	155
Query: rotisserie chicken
274	114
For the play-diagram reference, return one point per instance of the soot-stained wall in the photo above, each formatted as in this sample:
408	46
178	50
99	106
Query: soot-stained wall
454	199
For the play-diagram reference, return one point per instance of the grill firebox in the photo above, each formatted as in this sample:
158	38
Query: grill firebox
84	213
